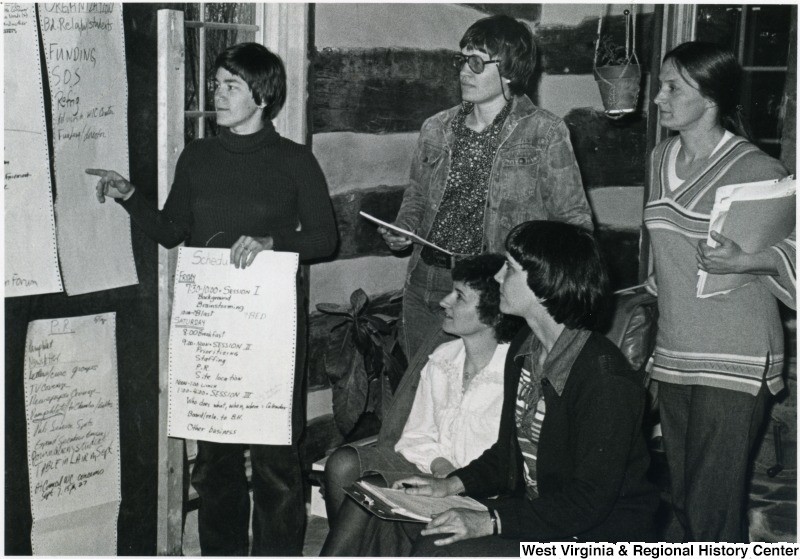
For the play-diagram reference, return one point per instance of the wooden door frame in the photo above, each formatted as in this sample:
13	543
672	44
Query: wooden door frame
284	29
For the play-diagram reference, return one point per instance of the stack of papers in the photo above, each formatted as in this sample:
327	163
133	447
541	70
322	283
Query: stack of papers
755	215
395	504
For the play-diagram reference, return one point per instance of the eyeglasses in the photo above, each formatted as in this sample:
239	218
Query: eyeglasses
475	62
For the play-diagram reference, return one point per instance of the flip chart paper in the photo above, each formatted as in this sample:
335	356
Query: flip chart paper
31	260
232	347
85	52
72	412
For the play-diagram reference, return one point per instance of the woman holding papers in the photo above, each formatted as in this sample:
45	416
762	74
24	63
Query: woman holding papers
570	461
717	359
456	410
480	168
246	190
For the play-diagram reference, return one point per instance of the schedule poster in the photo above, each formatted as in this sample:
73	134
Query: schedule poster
232	347
72	413
31	258
84	47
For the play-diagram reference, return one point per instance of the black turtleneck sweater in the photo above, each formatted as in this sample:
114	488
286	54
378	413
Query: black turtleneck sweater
232	185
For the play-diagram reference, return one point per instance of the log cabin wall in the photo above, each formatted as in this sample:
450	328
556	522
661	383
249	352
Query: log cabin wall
378	71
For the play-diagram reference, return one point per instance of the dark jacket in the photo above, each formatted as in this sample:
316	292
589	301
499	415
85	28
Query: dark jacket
592	458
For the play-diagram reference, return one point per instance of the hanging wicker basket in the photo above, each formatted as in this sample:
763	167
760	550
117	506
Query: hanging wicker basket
619	81
619	88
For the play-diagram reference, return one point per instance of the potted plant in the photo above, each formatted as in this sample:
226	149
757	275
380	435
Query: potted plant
617	70
363	360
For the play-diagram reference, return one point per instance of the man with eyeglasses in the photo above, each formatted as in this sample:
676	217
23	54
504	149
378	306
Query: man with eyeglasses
481	168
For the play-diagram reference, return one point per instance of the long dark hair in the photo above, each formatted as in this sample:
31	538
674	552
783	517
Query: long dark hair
718	75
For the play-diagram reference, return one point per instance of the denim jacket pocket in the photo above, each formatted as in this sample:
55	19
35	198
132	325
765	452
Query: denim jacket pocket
518	173
429	157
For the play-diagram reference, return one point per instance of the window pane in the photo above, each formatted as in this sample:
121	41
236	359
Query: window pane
719	24
216	41
231	13
764	91
191	68
767	42
191	128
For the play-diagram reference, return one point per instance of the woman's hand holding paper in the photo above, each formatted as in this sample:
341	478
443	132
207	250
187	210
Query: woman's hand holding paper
244	251
729	258
394	241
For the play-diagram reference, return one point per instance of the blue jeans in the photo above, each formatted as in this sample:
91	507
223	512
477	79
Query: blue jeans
422	315
709	435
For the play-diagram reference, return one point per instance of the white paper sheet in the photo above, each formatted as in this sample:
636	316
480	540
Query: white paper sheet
84	48
31	259
232	347
401	231
72	412
755	215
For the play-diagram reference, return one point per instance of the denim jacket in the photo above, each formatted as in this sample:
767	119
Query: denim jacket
534	176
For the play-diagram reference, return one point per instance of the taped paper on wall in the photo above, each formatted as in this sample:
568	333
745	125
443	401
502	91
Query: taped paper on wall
84	47
30	229
72	413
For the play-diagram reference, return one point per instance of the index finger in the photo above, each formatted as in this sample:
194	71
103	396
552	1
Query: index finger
96	172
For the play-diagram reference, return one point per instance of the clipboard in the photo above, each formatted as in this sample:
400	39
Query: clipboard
409	234
376	506
394	504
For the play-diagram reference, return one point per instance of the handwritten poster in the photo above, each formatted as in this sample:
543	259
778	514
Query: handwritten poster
71	407
232	347
31	260
84	49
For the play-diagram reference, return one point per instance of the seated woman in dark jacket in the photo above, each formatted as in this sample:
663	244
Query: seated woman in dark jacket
570	462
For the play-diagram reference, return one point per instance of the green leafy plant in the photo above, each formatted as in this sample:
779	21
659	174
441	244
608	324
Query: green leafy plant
363	358
609	53
616	69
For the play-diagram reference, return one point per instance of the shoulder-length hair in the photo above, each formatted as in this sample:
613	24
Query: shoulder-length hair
261	69
511	41
565	269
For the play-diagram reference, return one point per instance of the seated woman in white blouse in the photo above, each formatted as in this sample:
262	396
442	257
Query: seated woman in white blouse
456	411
